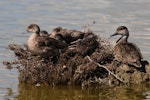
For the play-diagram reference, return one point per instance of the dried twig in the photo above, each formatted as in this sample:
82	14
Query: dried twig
107	70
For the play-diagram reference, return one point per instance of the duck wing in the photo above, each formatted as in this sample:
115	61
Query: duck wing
51	42
128	53
87	46
139	51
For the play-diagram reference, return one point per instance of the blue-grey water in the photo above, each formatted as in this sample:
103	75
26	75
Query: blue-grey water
16	15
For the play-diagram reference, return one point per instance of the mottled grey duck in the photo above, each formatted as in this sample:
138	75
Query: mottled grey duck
68	35
42	45
125	51
87	45
44	33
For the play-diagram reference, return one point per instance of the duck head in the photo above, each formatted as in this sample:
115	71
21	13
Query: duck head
44	33
33	28
123	31
57	29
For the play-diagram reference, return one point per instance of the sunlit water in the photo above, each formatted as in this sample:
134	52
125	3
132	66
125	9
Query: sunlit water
16	15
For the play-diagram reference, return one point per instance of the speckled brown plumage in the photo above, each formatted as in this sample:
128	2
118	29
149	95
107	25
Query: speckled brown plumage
125	51
42	45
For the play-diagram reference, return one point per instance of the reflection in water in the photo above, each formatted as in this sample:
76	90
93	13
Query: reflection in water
123	92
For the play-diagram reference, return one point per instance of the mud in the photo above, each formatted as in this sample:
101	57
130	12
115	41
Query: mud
72	68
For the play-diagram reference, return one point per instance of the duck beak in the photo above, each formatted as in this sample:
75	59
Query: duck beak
114	34
27	31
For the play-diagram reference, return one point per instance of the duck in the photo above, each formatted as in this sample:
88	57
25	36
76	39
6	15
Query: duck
124	51
44	33
58	37
55	31
87	45
67	35
42	45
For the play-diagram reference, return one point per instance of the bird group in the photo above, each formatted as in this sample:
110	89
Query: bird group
50	45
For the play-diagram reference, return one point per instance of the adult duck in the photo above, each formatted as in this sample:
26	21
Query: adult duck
124	51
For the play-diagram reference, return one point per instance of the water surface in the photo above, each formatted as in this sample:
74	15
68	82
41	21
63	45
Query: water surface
16	15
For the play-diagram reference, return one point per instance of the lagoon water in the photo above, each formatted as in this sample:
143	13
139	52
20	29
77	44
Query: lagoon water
16	15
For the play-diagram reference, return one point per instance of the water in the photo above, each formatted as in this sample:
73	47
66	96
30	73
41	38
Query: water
16	15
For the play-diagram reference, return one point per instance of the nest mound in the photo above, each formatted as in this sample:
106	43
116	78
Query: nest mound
96	68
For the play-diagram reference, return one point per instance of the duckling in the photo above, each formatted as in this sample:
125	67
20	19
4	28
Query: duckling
68	35
76	35
44	33
125	51
55	31
87	45
41	45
